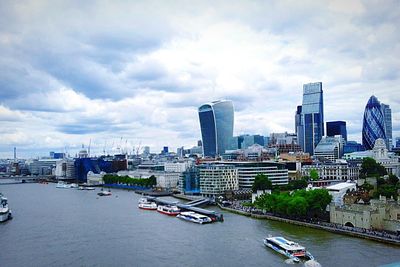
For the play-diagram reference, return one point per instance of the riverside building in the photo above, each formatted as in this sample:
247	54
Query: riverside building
216	179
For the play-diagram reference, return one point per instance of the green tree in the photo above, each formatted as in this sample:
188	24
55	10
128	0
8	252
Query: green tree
261	182
314	174
370	168
297	206
367	187
393	180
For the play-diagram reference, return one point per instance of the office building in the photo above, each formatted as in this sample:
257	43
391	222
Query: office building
336	128
217	179
189	182
352	146
216	124
330	148
311	127
331	172
277	173
373	123
387	115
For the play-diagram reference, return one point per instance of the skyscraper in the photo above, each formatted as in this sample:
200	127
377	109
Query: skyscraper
373	123
216	124
336	128
387	115
311	127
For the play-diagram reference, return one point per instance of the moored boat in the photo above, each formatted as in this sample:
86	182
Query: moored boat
288	248
194	217
144	204
5	212
168	210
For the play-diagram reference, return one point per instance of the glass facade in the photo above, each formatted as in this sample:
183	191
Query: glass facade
373	123
387	114
311	128
336	128
216	124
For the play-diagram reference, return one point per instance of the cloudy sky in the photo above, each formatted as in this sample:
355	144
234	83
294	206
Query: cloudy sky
124	73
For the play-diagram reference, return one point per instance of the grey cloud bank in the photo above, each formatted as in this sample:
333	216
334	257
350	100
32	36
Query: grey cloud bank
72	71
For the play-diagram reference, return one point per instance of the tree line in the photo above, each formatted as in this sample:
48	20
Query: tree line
126	180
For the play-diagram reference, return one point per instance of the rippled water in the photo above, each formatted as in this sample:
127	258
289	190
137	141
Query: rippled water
67	227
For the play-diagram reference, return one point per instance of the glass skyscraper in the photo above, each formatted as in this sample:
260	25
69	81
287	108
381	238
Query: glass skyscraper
216	124
336	128
387	115
373	123
310	128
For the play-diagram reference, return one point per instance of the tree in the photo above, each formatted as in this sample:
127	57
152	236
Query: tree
367	187
297	206
261	182
370	168
314	174
393	180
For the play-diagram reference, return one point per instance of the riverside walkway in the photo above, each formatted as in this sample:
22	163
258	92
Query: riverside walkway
380	236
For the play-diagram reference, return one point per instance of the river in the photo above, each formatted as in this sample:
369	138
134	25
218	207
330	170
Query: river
68	227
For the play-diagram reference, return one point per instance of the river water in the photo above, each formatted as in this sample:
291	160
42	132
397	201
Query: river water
68	227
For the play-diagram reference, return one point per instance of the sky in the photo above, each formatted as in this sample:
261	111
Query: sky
120	75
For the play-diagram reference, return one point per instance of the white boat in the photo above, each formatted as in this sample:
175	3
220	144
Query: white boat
63	185
74	185
168	210
104	193
288	248
5	212
194	217
144	204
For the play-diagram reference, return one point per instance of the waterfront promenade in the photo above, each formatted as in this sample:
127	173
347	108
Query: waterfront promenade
380	236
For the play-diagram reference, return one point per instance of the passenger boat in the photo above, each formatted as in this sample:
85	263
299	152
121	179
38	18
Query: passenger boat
144	204
168	210
194	217
5	212
104	193
288	248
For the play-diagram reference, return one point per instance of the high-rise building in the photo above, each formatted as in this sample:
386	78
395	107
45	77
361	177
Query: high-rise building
310	129
387	115
297	120
330	148
336	128
216	123
373	123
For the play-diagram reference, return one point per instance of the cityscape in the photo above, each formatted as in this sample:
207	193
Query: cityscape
261	140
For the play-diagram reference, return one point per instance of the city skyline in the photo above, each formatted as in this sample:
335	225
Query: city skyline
111	74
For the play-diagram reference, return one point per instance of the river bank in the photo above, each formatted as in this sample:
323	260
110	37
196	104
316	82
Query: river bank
319	225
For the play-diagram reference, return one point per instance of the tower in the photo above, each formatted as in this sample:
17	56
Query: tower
216	124
373	123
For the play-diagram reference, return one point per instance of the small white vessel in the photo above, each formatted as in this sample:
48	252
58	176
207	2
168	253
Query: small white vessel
288	248
168	210
63	185
5	212
144	204
104	193
194	217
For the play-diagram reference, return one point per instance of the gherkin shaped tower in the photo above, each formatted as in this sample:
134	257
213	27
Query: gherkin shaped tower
373	123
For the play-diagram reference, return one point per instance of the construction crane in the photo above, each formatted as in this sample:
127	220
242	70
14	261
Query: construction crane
138	148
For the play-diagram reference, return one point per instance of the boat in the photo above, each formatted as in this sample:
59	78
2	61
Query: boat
194	217
85	188
63	185
144	204
168	210
104	193
288	248
5	212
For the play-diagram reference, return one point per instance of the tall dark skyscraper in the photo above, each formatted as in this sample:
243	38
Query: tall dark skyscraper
216	124
373	123
311	127
336	128
387	115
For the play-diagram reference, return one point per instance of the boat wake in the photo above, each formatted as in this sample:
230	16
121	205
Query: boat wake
312	263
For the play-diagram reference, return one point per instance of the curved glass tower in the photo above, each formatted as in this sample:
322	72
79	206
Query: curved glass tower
216	124
373	123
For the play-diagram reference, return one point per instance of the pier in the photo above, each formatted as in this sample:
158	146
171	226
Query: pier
191	206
